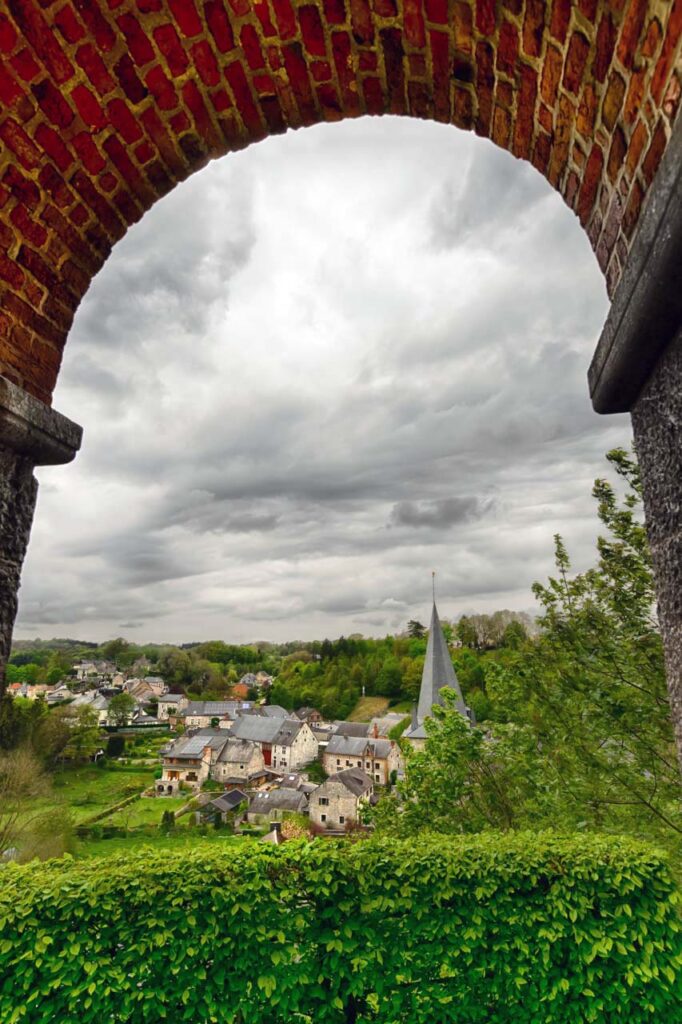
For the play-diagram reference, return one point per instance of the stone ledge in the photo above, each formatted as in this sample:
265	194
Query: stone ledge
646	312
33	429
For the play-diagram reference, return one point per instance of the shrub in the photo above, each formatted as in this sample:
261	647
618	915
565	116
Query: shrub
529	929
116	745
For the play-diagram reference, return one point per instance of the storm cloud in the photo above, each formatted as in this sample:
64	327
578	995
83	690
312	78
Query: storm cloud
316	371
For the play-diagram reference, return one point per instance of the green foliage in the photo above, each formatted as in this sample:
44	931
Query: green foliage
116	745
121	708
488	930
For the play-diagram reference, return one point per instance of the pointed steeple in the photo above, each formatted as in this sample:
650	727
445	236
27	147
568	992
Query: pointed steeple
438	672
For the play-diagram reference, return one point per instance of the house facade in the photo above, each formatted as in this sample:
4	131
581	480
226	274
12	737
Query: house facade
189	760
286	743
170	703
339	801
378	758
238	759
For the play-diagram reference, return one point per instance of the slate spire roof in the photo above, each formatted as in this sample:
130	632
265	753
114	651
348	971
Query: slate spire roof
438	672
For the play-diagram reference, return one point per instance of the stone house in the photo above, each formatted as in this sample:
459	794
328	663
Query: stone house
310	715
338	802
189	760
238	759
200	714
273	804
377	757
286	743
235	802
170	703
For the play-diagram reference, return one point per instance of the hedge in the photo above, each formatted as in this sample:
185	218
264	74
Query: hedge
518	928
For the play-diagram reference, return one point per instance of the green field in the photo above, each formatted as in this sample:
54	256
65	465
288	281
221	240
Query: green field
148	810
88	790
184	838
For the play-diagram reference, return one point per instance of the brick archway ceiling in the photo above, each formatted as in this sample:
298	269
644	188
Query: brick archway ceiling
107	104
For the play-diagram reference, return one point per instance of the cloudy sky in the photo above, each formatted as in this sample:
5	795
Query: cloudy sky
315	372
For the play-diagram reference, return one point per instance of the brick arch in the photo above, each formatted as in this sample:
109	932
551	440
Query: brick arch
107	104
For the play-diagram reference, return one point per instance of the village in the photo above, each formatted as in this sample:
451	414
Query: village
251	765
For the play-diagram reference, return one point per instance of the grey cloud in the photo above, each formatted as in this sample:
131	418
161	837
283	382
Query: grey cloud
436	514
291	401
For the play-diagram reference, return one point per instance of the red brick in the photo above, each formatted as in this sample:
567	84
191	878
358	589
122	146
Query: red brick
286	19
485	81
297	72
392	45
28	228
52	103
53	145
123	121
334	12
144	152
367	60
168	41
551	75
613	100
362	23
606	41
373	95
576	58
654	153
202	119
631	30
205	62
638	142
180	122
616	154
485	16
341	49
91	158
439	44
162	89
185	13
88	108
633	208
667	59
20	187
25	66
11	272
587	111
251	46
221	101
10	90
533	27
243	98
418	65
525	115
104	35
41	38
125	71
8	35
219	25
263	15
18	141
141	49
413	21
507	47
561	16
329	101
36	265
501	127
436	11
590	183
126	168
311	30
321	70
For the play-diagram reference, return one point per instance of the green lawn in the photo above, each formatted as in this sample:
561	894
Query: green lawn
147	810
88	790
183	839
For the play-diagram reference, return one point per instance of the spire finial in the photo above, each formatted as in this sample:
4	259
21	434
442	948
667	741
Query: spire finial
433	585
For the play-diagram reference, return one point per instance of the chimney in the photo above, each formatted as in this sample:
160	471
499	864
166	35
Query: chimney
375	731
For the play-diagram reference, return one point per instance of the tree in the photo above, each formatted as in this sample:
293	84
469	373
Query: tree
587	741
416	630
121	708
68	734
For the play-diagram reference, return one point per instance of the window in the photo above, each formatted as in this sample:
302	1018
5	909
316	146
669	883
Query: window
341	819
359	764
323	817
323	801
368	764
348	764
338	760
378	779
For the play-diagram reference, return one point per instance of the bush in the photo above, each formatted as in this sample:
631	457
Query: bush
529	929
116	745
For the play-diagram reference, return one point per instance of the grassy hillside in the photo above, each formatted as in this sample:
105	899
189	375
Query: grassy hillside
368	708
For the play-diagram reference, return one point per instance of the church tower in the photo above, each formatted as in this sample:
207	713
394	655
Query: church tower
438	672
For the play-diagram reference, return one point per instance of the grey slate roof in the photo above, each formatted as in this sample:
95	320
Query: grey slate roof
351	728
236	751
212	708
386	722
228	801
354	779
278	800
355	746
171	698
438	672
280	731
192	746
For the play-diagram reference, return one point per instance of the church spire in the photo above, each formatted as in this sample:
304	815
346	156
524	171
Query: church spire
438	669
